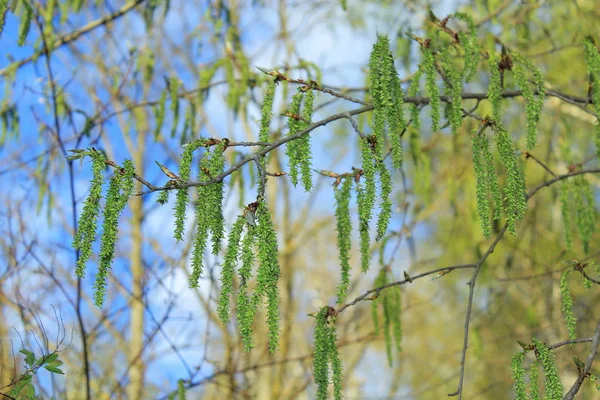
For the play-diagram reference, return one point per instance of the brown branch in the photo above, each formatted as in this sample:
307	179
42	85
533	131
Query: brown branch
588	365
402	282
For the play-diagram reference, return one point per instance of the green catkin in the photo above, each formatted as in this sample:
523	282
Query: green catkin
336	363
413	90
216	191
566	301
495	89
267	112
482	184
180	389
264	134
380	91
86	232
386	203
534	387
3	11
387	324
380	280
585	208
326	355
592	58
159	114
232	94
321	354
304	142
268	272
25	23
344	235
453	85
388	98
245	317
163	197
533	106
492	178
514	192
565	211
471	46
553	384
294	126
204	215
366	202
119	191
246	308
431	86
396	317
518	375
182	197
228	269
174	93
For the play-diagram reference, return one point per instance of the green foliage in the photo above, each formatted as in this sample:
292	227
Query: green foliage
514	191
159	114
453	83
431	85
486	182
482	183
9	121
163	197
366	200
495	88
533	104
585	209
386	91
180	389
25	23
23	388
518	375
119	191
344	234
293	150
592	58
553	384
565	191
305	154
86	232
390	301
209	210
246	308
267	112
268	271
3	11
182	199
422	179
174	85
534	387
471	45
228	268
326	355
385	214
413	90
566	302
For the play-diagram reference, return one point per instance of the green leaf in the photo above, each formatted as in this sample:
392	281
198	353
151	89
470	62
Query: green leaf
54	369
29	357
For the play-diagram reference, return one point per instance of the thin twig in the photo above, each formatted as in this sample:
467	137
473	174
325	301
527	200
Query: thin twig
588	365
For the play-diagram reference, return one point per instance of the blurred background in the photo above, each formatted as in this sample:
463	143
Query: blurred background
153	330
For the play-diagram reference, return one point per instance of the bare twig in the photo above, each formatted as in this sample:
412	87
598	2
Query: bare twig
588	365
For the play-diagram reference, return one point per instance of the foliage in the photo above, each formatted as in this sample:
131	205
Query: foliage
326	355
23	387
